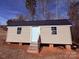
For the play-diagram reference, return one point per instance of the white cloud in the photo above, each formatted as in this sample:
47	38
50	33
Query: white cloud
2	20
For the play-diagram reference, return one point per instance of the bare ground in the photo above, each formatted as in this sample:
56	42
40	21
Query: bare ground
14	51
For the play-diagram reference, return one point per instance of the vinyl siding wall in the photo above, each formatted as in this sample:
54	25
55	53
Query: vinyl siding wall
63	35
25	35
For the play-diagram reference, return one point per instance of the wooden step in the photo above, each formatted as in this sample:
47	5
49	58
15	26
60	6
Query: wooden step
34	45
33	48
33	51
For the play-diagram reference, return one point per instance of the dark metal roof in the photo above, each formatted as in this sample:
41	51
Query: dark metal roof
40	23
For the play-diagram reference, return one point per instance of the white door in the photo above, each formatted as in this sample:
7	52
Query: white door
35	33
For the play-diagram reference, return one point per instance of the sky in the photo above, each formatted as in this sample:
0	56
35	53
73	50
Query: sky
10	8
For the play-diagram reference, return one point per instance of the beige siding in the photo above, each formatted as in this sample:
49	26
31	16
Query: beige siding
25	36
63	35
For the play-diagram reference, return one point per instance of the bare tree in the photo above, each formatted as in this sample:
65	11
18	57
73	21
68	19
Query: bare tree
17	18
74	16
44	5
30	5
20	18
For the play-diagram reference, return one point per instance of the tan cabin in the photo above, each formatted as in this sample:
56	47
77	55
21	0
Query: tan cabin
49	31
